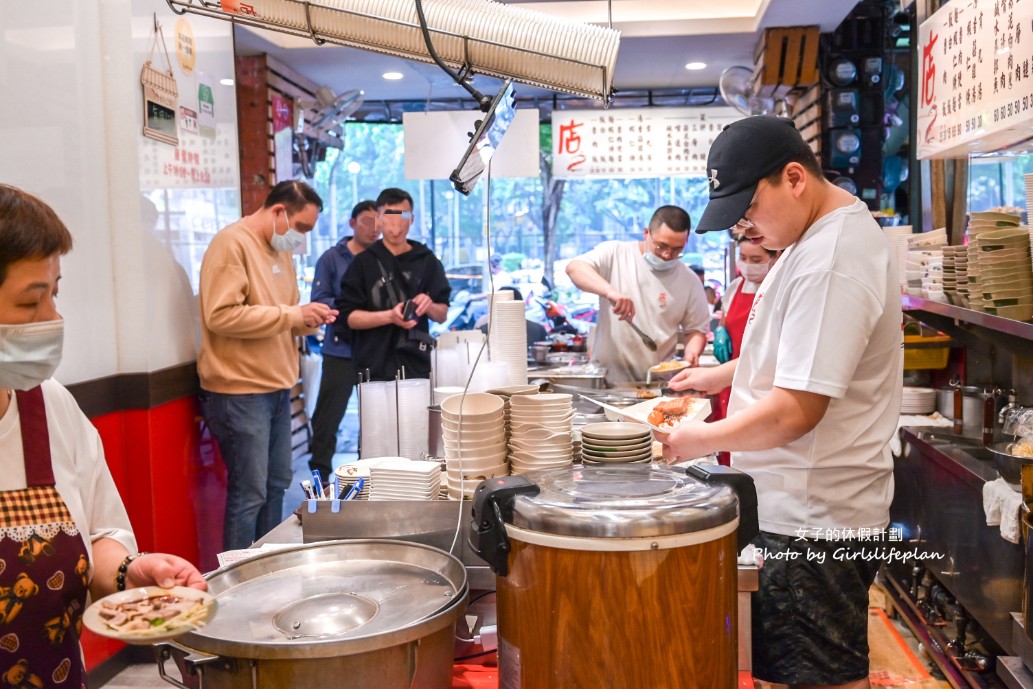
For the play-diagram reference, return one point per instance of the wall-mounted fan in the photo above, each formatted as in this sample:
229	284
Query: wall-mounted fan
734	85
330	109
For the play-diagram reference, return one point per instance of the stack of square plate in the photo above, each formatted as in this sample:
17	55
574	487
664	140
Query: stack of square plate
955	273
348	474
616	442
1005	273
399	478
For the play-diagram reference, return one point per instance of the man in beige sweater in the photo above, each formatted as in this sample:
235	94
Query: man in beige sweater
249	358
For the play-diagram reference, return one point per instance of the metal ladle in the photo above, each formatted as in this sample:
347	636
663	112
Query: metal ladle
646	339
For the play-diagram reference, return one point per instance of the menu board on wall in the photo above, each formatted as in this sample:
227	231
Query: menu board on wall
975	89
636	142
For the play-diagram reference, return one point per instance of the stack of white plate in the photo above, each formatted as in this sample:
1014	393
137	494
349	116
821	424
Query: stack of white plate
399	478
507	338
955	274
473	431
918	401
615	442
540	432
348	474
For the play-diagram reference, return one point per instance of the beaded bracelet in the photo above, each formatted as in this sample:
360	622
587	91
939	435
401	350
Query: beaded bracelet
123	569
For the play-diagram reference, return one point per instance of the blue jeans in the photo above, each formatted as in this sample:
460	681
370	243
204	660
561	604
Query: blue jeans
254	435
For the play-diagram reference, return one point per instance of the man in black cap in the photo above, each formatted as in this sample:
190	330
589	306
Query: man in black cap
815	398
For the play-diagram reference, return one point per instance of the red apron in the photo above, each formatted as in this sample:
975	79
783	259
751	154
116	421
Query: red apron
735	323
43	570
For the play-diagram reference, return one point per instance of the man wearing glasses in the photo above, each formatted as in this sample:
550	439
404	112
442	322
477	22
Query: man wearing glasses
390	293
338	379
815	399
644	281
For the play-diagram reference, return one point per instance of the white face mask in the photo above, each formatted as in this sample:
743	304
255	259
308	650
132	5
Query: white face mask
754	272
658	264
29	353
288	241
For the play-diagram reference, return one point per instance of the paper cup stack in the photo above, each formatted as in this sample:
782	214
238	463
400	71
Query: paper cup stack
540	432
615	442
400	478
473	430
507	337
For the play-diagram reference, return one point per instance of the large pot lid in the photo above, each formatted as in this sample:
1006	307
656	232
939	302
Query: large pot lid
331	599
622	501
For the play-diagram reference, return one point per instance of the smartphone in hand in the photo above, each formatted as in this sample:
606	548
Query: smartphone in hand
409	310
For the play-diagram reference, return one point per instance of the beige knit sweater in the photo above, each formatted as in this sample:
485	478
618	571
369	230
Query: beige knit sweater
249	315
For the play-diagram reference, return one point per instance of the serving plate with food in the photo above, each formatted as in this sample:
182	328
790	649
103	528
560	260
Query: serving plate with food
664	413
149	614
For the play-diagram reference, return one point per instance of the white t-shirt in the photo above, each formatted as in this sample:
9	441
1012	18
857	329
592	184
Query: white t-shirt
663	300
80	472
827	320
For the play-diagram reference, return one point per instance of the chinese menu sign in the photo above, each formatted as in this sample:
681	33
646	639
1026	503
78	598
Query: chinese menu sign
636	142
976	90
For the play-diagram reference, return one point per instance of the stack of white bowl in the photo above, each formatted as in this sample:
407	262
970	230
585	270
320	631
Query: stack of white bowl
473	431
918	400
507	337
616	442
413	398
540	431
378	426
508	391
400	478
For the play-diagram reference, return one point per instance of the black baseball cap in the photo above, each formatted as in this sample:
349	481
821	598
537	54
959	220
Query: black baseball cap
746	152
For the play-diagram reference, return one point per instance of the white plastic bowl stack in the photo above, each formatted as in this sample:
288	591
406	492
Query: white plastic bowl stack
918	400
400	478
615	442
540	431
507	337
413	398
473	432
377	436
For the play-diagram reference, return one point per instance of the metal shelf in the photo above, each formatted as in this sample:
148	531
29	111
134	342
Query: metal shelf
1007	326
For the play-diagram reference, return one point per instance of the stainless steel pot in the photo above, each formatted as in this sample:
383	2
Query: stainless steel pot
971	406
367	613
1009	466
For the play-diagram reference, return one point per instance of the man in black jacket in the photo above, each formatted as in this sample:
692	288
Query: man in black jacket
392	273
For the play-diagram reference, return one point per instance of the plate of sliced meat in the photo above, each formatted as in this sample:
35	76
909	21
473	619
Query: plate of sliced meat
149	614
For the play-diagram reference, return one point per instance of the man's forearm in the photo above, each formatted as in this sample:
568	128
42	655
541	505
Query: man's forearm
367	320
437	312
696	342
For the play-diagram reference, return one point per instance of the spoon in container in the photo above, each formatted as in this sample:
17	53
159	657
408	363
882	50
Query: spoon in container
646	339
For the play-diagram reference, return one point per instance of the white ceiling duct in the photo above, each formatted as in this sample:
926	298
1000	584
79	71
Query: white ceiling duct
482	36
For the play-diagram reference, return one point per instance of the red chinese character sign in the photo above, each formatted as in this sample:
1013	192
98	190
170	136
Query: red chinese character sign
636	142
975	89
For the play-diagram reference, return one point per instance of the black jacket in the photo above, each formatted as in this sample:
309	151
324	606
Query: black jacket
383	350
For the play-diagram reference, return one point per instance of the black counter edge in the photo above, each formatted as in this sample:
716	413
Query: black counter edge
136	391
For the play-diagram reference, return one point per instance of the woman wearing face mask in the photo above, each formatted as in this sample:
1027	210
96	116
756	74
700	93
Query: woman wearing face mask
753	264
64	533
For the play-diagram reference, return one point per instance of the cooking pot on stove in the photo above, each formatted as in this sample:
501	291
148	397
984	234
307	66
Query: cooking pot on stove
619	576
377	614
